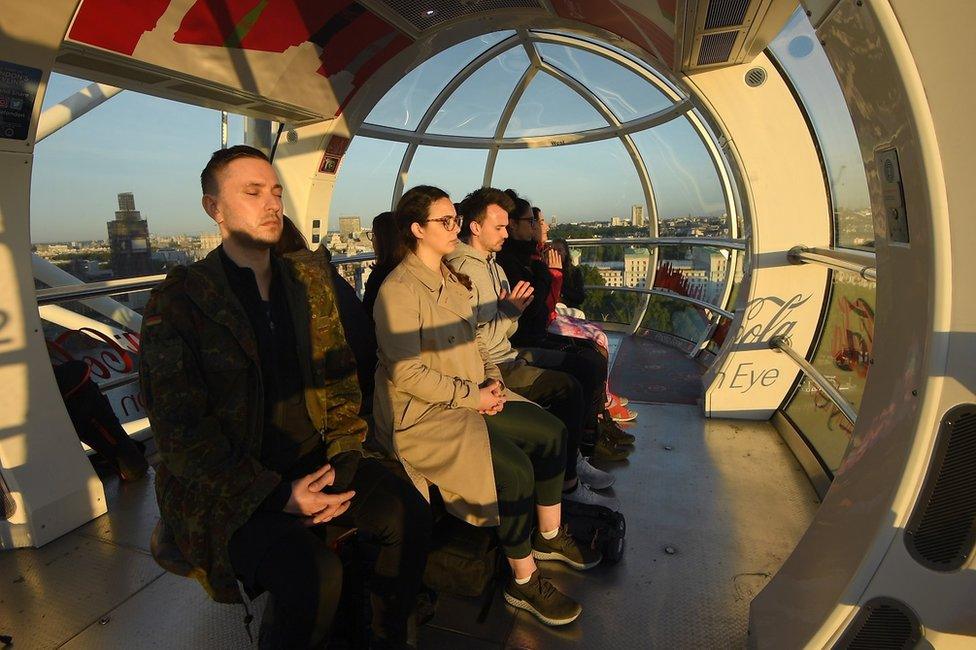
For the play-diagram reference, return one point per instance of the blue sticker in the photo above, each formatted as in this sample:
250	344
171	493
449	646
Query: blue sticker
18	89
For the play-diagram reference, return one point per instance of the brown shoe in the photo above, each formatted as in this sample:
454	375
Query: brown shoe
607	427
606	449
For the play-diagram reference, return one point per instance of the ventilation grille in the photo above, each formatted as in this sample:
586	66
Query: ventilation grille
424	15
726	13
942	530
107	67
756	77
882	624
716	48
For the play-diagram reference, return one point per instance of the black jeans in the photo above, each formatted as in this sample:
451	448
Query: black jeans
558	392
527	457
582	361
273	551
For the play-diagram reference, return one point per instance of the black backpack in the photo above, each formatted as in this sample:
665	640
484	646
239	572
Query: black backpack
598	527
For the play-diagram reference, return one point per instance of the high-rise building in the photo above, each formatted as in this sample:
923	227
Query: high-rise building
348	226
637	216
128	239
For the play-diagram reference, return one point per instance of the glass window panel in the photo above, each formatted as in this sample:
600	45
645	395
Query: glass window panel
474	108
80	171
843	356
800	54
456	171
675	317
549	106
689	196
364	186
695	271
579	182
628	95
406	102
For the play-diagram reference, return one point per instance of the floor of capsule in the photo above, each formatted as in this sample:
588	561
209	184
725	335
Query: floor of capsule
713	509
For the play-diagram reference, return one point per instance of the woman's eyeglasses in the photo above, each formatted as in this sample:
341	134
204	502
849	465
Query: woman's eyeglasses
450	223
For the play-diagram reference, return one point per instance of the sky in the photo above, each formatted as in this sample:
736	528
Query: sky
155	148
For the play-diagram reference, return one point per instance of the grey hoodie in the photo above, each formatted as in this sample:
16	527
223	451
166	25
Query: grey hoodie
497	320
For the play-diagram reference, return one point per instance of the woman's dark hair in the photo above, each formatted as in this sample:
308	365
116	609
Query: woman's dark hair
386	239
567	258
520	207
291	239
414	207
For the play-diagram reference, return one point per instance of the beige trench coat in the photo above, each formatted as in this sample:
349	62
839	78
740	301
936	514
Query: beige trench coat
425	406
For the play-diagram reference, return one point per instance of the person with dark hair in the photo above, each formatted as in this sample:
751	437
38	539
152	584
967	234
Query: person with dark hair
497	311
519	257
441	406
386	244
252	396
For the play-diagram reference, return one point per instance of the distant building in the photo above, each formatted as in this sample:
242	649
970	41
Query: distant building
128	238
208	242
617	221
636	262
349	226
637	216
612	273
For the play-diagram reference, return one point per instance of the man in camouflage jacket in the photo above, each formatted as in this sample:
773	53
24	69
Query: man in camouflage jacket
201	374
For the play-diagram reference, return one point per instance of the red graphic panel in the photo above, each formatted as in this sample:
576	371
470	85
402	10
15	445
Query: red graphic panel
116	25
621	20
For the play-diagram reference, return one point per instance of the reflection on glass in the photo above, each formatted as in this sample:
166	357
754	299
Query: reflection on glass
843	356
406	102
456	171
800	54
601	175
627	95
694	271
675	317
364	187
548	106
690	200
474	108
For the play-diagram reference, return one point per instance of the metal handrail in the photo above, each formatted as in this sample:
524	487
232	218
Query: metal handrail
64	293
715	242
667	294
121	380
863	263
783	345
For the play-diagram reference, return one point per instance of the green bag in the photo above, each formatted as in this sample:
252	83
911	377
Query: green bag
463	559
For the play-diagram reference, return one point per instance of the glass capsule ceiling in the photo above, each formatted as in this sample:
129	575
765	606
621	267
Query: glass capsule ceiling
527	89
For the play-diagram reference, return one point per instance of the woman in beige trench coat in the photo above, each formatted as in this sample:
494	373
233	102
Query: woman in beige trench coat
441	407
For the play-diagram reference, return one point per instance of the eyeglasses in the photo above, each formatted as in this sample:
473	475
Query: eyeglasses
450	223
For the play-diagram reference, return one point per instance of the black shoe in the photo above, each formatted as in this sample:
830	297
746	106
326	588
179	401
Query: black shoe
539	597
564	548
607	427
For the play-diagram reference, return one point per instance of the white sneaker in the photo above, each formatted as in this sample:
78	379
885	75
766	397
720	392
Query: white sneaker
583	494
595	478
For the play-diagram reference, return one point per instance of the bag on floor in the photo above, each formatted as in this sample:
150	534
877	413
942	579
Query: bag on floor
598	527
463	559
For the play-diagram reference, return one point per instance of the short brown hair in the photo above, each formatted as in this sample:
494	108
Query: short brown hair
474	207
220	159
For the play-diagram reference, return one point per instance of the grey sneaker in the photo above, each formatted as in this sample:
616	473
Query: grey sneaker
564	548
595	478
583	494
539	597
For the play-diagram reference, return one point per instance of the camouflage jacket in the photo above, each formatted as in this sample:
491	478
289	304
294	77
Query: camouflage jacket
201	379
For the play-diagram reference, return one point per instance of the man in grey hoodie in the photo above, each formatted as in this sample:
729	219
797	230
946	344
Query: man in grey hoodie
497	307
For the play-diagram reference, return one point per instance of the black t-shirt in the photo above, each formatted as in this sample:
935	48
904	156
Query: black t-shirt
290	445
519	260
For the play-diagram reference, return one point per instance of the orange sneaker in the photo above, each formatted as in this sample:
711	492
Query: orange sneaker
619	412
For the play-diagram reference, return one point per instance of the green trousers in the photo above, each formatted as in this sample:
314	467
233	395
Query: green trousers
528	454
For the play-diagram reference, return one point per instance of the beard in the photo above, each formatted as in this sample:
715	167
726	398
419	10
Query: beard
255	242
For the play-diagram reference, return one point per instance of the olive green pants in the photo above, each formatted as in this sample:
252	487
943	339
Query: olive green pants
528	454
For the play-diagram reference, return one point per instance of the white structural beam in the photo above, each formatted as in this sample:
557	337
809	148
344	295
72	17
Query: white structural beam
71	108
